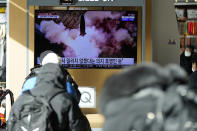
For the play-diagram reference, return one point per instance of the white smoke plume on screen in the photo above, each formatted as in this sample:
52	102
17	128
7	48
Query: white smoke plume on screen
82	46
52	31
94	42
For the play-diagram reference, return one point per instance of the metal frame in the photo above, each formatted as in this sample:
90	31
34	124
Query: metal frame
7	56
126	3
27	44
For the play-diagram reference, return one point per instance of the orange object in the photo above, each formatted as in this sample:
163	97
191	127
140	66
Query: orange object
2	118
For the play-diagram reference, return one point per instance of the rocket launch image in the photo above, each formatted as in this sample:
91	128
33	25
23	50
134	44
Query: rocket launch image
87	34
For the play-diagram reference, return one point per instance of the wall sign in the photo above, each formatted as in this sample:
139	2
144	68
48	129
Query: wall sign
88	97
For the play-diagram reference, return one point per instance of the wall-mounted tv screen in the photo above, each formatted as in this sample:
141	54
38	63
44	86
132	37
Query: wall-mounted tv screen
87	39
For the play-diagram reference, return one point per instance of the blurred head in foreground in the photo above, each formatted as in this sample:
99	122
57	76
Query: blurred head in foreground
147	97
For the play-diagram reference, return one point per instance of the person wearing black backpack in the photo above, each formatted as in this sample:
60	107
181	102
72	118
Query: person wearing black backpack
48	106
30	81
148	97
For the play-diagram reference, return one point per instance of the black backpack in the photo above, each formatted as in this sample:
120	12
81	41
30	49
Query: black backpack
35	71
33	113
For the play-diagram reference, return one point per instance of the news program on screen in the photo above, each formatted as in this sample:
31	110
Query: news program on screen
87	39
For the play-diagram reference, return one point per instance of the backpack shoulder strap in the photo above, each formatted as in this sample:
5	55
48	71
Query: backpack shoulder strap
54	93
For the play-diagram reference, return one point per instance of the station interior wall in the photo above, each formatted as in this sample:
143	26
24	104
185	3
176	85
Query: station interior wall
165	29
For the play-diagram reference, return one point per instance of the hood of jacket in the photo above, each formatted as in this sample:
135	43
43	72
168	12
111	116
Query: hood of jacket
121	86
50	77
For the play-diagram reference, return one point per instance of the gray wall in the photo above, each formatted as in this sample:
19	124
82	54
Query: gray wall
164	27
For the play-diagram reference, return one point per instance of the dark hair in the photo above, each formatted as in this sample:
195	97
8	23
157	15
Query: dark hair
194	58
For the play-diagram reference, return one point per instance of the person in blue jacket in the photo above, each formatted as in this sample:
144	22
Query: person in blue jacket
30	82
